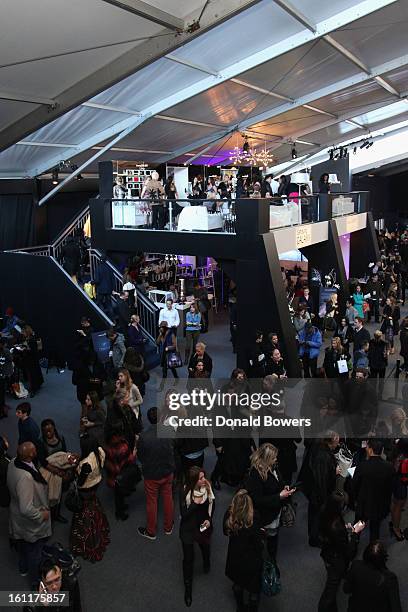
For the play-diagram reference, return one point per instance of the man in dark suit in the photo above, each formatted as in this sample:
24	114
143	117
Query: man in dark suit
266	188
306	301
372	487
361	335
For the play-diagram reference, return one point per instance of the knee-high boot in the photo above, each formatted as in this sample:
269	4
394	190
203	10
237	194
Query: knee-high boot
239	597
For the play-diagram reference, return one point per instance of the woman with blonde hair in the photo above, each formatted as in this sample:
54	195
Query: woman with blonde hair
399	422
268	492
333	355
134	397
30	361
244	558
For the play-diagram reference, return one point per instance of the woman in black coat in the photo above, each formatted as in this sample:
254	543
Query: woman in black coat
31	364
345	332
339	547
371	585
266	488
197	503
332	355
121	420
244	558
404	342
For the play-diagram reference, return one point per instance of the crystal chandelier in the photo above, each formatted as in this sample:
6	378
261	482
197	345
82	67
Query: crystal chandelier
251	156
262	158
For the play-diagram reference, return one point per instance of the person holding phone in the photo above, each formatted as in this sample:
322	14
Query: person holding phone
54	581
265	485
197	503
339	547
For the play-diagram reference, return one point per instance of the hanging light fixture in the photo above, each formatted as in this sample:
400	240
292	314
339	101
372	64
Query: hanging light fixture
261	158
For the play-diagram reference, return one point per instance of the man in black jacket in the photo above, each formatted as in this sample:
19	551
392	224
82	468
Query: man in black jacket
318	478
372	487
123	312
158	465
378	360
361	335
266	188
374	290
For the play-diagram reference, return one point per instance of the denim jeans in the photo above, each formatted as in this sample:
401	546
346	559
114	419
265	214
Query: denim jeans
30	558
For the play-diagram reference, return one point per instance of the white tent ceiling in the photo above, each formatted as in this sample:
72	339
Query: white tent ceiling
280	71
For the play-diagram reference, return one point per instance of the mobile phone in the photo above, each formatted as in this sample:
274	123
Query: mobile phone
203	527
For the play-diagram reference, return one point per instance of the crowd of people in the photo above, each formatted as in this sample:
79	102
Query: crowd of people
354	465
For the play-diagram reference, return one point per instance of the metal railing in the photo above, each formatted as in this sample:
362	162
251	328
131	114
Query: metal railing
55	249
173	215
146	309
43	250
148	312
299	209
78	223
219	216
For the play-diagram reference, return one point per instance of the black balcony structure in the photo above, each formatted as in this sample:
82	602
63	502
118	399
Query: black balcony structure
249	255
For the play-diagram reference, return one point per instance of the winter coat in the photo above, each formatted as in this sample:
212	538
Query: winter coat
28	496
314	341
104	281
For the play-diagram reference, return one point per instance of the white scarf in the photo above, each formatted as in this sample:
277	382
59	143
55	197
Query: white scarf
202	492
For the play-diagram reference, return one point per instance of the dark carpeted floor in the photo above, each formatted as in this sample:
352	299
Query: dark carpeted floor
138	574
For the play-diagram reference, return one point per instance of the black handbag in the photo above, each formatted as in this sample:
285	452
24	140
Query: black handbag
128	478
73	500
174	359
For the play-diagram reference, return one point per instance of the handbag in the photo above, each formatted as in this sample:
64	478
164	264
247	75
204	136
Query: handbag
344	461
128	478
174	359
342	366
19	390
270	583
73	500
288	515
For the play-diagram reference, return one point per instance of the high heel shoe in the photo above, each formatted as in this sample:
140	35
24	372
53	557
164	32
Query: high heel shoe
399	537
188	593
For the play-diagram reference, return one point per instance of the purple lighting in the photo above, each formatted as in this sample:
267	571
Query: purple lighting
345	249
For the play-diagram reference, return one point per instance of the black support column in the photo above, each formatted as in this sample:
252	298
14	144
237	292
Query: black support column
363	248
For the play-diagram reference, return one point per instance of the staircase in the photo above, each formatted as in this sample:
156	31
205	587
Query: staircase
147	310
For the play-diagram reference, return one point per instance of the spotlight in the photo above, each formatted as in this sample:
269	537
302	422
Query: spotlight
55	177
369	144
331	154
354	150
294	153
79	177
245	146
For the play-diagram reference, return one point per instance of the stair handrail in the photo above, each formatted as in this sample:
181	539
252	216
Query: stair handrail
43	249
148	311
79	221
